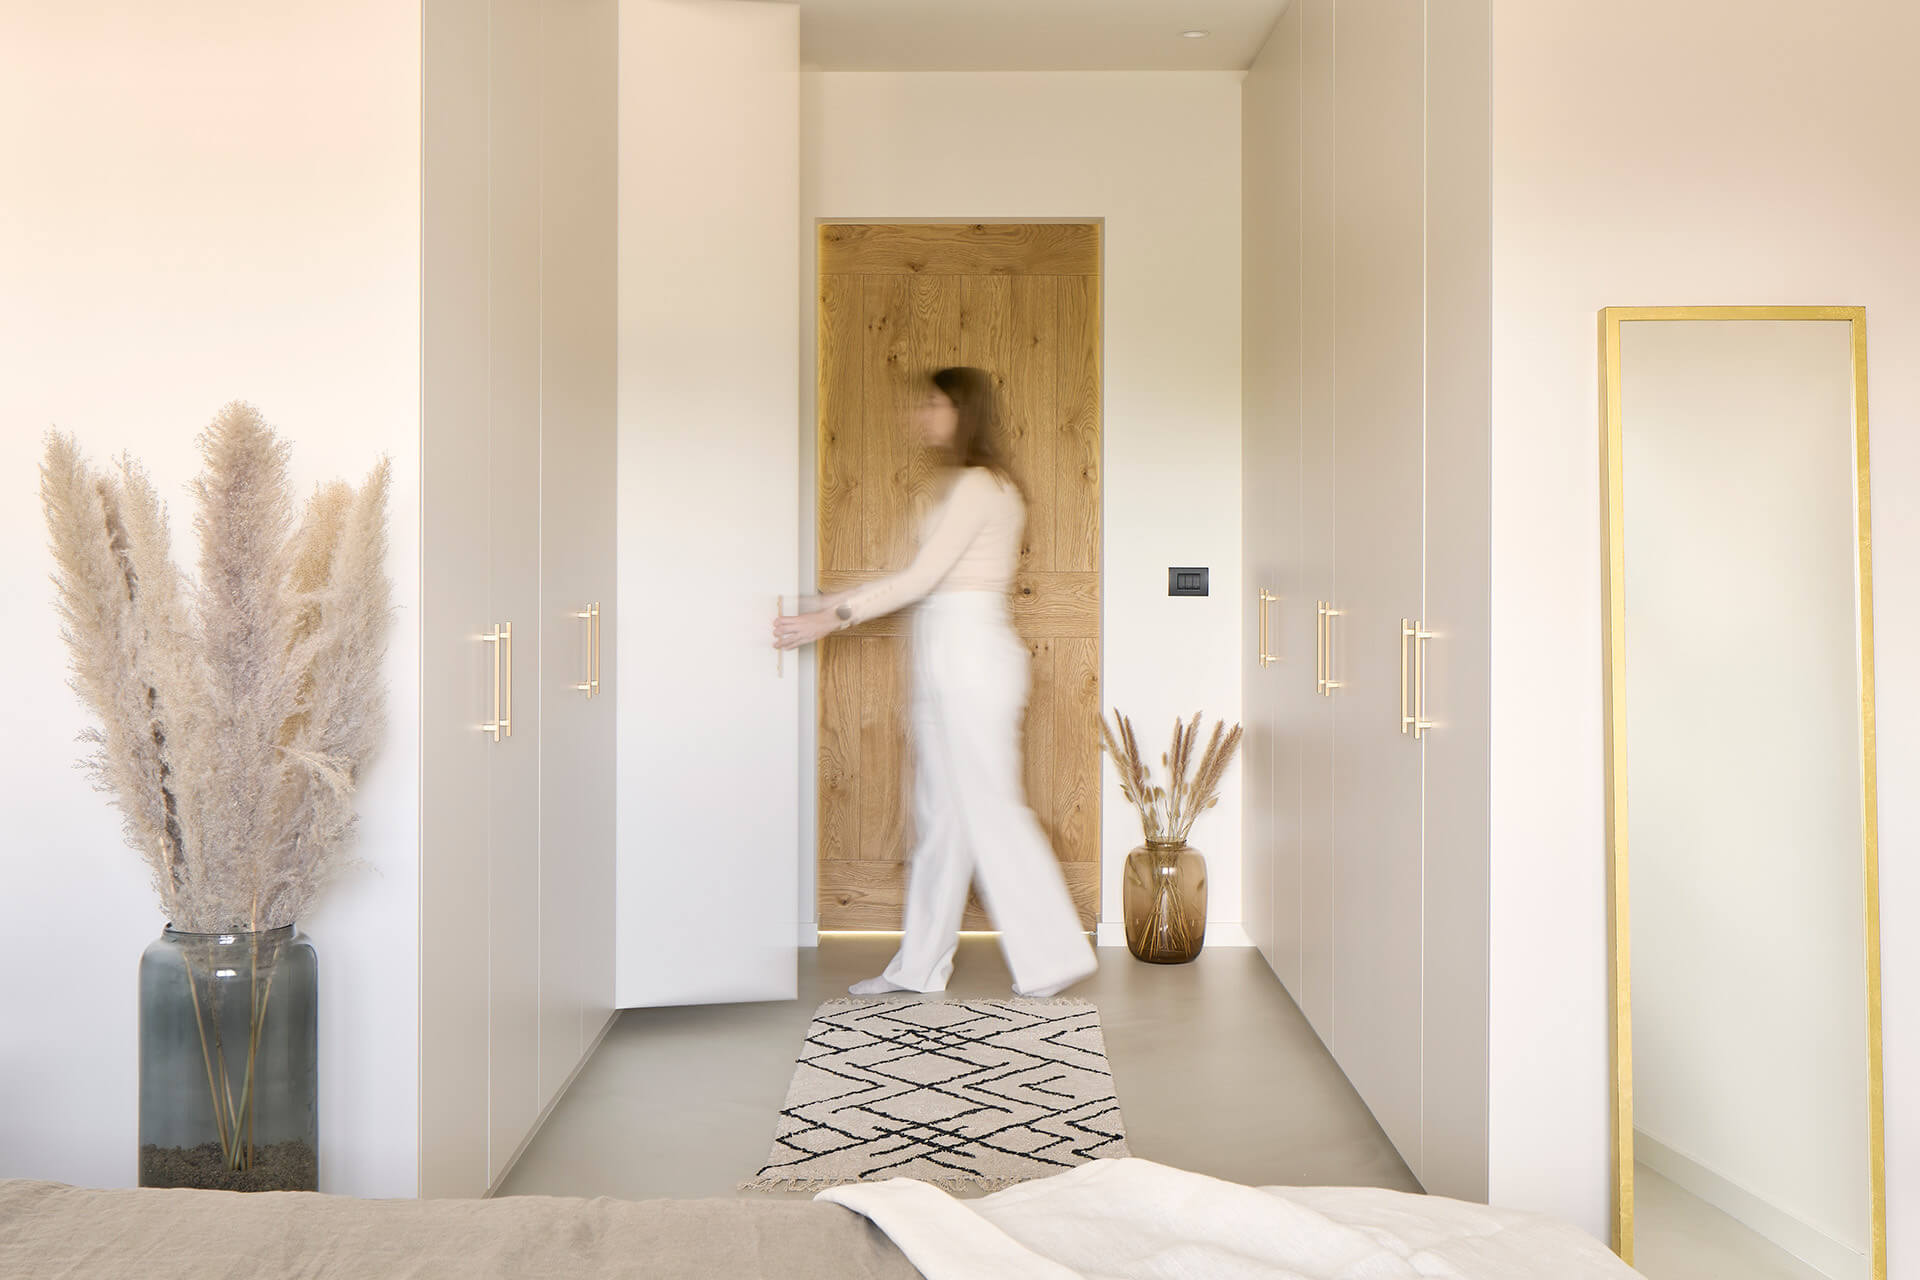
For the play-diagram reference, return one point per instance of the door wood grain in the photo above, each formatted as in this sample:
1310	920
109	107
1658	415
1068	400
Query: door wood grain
896	303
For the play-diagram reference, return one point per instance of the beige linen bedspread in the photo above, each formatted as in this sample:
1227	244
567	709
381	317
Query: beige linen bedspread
54	1232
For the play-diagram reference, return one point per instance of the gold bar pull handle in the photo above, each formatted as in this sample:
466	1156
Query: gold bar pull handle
1420	635
1320	647
1407	716
1260	628
1266	628
595	677
500	638
506	664
586	685
1329	684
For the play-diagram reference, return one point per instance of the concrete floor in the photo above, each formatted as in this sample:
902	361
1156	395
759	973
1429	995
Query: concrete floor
1216	1069
1678	1236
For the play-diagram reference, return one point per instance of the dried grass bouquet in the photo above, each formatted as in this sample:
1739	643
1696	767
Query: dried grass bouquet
236	711
1167	813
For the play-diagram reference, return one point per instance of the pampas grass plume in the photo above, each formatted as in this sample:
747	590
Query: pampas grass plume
234	713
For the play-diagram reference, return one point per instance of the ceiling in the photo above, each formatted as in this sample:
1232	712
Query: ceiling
1033	35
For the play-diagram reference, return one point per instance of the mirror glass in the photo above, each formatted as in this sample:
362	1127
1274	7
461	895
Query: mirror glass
1750	1045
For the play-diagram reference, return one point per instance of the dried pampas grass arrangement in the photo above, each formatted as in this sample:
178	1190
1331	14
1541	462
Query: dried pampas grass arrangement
1168	813
235	712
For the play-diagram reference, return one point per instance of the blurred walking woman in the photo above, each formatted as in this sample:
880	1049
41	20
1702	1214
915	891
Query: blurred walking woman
970	681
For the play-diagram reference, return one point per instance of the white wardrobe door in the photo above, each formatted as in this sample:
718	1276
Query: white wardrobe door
1268	427
1378	409
455	667
578	180
1309	716
513	382
708	818
1458	669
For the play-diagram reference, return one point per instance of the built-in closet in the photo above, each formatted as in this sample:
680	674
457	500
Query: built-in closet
518	334
1366	555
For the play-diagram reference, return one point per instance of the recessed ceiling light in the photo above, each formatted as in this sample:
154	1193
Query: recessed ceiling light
1195	34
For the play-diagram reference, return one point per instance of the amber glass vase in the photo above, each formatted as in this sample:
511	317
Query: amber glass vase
1165	900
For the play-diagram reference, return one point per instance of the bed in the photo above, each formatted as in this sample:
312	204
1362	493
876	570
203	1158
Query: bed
1112	1219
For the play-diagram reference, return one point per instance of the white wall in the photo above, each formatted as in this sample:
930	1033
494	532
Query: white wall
202	202
1749	1000
1157	157
709	482
1645	153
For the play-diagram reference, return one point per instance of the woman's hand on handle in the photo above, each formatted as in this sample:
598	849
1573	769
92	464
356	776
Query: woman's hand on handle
790	631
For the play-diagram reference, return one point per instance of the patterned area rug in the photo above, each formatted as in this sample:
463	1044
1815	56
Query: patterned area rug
964	1094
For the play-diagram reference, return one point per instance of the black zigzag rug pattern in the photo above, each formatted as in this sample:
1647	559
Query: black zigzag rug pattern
969	1095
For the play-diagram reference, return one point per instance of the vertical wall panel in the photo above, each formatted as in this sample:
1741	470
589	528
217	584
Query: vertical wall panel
1319	489
455	605
578	177
513	437
1378	411
1458	566
1270	499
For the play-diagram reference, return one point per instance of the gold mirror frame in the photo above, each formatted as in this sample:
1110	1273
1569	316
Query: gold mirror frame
1614	659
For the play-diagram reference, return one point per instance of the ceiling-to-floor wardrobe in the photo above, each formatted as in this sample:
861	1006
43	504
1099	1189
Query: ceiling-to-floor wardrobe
518	506
1366	555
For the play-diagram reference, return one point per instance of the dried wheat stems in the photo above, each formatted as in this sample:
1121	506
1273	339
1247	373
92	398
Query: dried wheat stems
1168	813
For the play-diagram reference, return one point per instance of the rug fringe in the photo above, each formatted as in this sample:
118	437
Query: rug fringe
952	1186
1018	1002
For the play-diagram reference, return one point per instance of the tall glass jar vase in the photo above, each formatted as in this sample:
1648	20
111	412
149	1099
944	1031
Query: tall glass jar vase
229	1061
1164	897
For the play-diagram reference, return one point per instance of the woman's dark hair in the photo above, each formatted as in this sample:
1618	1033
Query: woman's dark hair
976	432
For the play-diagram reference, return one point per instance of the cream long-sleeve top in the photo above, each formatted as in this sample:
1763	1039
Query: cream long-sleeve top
970	542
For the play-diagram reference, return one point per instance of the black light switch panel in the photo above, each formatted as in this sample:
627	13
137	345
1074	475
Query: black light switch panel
1186	582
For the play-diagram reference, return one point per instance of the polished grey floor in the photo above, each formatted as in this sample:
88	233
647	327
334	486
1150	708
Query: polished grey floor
1678	1236
1216	1069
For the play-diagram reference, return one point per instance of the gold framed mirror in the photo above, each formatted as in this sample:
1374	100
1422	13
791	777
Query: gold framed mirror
1738	648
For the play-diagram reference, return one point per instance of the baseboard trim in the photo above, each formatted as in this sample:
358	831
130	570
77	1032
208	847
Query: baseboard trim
1220	933
540	1121
1804	1241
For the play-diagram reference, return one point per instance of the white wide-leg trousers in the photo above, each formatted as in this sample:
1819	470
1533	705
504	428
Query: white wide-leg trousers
970	681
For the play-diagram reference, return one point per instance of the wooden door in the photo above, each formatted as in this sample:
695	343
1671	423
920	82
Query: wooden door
1379	409
896	303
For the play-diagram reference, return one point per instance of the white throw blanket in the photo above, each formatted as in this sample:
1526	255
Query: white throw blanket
1136	1220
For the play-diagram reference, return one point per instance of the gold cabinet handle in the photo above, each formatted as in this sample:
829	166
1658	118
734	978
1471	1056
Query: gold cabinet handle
1327	683
591	616
501	638
1320	647
1420	637
1413	712
1406	712
1266	629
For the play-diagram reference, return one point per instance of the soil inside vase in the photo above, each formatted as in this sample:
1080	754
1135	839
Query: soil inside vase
278	1166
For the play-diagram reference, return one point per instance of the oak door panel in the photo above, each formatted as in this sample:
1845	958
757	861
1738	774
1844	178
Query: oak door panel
1022	302
961	249
871	895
